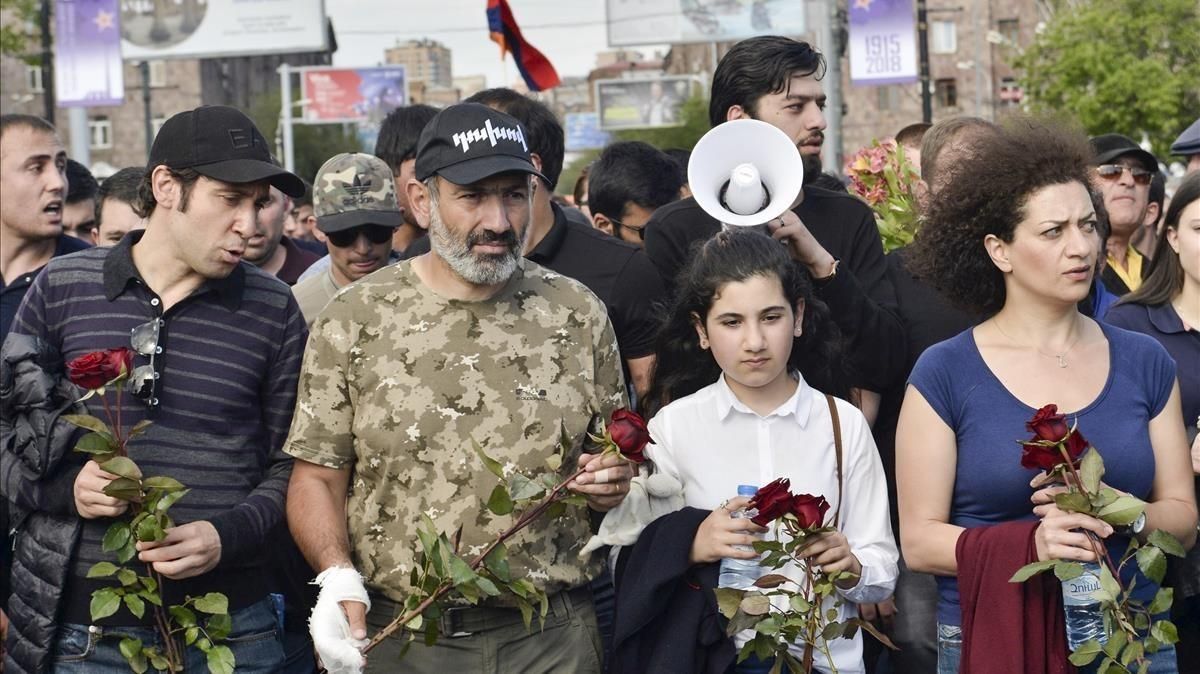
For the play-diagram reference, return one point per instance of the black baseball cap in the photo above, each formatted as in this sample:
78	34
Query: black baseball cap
222	143
1112	145
468	142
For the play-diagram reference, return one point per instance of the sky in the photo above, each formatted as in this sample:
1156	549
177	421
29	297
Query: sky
568	32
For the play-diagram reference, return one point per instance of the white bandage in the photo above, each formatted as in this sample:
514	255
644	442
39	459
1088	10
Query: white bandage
601	476
339	650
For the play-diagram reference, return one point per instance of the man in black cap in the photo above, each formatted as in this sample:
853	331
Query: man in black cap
217	346
1122	171
469	343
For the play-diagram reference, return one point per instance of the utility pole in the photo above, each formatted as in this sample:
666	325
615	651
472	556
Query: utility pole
47	62
144	69
923	62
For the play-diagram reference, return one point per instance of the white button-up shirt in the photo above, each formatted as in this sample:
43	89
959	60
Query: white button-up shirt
712	443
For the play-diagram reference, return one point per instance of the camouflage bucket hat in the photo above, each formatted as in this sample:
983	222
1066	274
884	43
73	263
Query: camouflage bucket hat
354	189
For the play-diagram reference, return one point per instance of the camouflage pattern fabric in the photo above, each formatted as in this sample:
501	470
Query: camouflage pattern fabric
353	181
398	380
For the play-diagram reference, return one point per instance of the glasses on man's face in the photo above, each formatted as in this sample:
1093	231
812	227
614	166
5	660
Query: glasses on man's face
1112	172
376	234
144	378
641	231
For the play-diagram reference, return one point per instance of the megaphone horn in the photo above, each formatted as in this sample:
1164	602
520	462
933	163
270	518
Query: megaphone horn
745	172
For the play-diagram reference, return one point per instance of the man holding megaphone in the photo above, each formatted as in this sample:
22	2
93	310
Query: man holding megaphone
767	103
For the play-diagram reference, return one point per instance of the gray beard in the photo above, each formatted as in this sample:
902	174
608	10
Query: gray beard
483	270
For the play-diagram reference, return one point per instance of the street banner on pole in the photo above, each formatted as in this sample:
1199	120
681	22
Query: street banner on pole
367	95
87	53
883	47
173	29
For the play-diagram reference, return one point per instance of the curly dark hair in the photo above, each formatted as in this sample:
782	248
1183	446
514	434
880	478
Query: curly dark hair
987	194
682	367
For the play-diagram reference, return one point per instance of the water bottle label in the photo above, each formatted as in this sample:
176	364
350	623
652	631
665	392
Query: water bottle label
1081	591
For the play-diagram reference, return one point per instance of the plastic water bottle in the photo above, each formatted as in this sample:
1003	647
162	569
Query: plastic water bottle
1084	618
740	574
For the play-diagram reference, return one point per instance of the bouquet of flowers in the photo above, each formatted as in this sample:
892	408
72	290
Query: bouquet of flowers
147	520
881	176
1130	630
803	616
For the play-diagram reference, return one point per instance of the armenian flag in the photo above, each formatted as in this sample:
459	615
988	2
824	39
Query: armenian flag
535	68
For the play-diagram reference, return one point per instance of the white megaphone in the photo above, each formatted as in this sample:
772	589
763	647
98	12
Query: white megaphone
745	172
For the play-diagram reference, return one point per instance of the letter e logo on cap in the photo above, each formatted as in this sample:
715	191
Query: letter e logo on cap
242	138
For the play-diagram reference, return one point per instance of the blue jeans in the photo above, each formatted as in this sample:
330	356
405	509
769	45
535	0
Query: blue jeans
950	654
254	640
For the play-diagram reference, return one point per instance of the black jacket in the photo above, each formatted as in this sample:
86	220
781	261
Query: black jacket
667	619
37	471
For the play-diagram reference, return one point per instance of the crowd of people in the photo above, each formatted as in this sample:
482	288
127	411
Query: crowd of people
318	359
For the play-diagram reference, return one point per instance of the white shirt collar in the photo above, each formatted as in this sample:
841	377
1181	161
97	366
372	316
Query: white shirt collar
799	404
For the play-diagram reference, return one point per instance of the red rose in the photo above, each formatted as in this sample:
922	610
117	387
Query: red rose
1048	424
1039	456
96	369
772	501
628	432
810	510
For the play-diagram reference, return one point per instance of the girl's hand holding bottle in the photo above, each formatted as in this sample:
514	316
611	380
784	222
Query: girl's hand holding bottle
720	534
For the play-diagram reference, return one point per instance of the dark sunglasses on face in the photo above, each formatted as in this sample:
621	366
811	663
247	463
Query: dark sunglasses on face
144	340
376	234
1113	171
641	231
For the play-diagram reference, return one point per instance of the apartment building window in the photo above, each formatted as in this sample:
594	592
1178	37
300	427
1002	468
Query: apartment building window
943	37
101	130
887	97
946	91
33	78
158	73
1010	29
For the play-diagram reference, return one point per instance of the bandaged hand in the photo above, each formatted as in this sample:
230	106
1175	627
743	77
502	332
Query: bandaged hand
329	625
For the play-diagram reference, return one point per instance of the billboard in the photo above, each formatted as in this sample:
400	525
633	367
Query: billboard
364	95
637	22
166	29
87	53
583	132
641	103
883	47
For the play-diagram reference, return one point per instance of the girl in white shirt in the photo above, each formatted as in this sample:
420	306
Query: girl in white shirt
744	327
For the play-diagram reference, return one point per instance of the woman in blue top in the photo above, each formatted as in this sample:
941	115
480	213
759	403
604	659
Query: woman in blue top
1012	236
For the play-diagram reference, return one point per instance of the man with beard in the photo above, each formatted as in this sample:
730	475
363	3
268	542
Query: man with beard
469	343
832	234
271	251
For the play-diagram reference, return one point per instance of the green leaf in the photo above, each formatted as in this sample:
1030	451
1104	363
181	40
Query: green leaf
728	600
149	583
122	466
554	462
1166	542
1067	570
1073	502
488	587
521	488
169	499
1152	562
499	502
491	464
115	537
156	658
130	648
1164	631
831	631
1091	469
496	561
755	604
460	571
1086	653
135	605
1108	585
127	577
1030	570
799	603
1162	600
1112	648
213	602
526	613
190	634
102	570
1133	651
427	535
219	626
148	530
105	602
125	489
127	551
1105	496
770	581
87	421
138	428
151	596
220	660
164	483
96	443
1123	511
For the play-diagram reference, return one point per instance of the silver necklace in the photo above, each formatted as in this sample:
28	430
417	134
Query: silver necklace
1061	357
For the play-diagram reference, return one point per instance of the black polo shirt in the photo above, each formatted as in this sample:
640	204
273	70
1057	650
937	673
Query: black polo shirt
619	273
11	295
861	296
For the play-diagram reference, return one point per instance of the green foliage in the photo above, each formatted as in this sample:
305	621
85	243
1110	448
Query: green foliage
694	116
1122	66
14	40
314	143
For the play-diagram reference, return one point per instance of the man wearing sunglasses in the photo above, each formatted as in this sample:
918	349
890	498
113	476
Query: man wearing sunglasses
1122	171
354	199
218	344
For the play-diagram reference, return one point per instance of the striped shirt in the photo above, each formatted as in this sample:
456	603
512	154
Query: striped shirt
224	396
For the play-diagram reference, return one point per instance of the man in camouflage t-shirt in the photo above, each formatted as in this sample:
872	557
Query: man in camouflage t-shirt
406	368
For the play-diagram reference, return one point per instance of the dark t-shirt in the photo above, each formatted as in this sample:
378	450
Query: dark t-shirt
860	297
297	260
619	273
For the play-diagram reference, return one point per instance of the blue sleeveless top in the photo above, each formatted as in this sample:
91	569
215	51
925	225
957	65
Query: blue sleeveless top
990	485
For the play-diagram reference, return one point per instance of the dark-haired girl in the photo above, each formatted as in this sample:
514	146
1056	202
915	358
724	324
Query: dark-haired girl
1012	236
738	411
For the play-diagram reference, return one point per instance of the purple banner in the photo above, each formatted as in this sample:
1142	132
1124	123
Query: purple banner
87	53
883	48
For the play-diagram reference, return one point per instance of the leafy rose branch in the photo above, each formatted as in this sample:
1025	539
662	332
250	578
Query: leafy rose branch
1068	458
802	518
440	570
150	498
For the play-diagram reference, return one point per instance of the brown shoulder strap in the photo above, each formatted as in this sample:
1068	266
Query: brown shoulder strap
837	448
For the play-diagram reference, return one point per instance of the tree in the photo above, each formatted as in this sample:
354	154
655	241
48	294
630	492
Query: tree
1119	66
694	115
15	38
314	143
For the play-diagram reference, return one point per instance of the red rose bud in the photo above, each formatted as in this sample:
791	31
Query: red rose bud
1076	444
628	432
96	369
809	510
1043	457
1048	424
772	501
